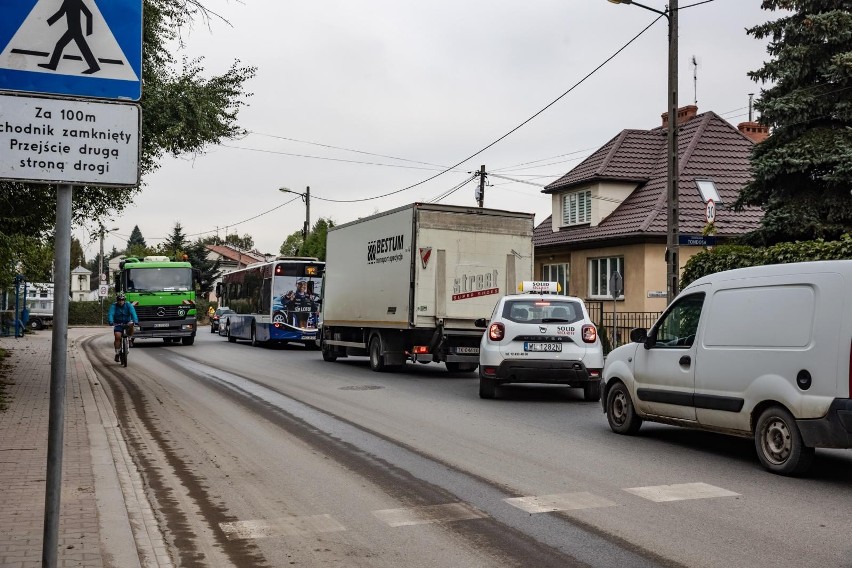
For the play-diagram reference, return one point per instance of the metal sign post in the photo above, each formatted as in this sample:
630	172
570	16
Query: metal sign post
66	142
616	289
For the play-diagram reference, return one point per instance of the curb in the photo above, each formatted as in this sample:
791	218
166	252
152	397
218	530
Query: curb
124	512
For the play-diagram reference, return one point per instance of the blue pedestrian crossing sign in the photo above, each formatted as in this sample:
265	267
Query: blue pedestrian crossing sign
83	48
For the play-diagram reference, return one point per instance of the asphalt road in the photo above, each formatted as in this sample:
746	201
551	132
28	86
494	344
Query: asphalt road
273	457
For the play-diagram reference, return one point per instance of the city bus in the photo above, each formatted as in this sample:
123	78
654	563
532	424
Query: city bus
272	302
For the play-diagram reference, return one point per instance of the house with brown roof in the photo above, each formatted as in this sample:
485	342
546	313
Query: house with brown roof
609	212
230	259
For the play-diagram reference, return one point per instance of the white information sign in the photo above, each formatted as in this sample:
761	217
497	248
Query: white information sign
103	290
69	141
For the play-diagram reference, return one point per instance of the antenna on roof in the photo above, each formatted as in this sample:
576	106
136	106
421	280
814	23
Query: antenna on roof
695	80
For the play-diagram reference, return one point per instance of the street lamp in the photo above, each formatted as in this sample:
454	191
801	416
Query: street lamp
306	197
672	177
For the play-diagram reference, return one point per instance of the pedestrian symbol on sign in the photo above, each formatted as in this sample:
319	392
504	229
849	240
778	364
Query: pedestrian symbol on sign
73	9
72	47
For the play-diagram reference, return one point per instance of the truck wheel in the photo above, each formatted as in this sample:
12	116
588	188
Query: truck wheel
35	324
592	391
779	443
187	340
328	353
377	362
620	412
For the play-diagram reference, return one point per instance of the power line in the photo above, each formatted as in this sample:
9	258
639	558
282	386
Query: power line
512	131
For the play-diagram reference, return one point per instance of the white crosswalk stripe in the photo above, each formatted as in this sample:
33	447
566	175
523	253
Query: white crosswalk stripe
450	512
680	492
559	502
267	528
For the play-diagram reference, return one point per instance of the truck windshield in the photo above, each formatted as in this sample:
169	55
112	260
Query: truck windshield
159	279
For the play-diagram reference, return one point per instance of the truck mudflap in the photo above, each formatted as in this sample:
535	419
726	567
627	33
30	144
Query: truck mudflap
453	346
834	430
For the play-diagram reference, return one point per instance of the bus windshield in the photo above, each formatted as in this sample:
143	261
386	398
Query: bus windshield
159	279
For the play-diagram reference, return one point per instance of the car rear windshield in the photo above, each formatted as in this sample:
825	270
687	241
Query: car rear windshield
537	310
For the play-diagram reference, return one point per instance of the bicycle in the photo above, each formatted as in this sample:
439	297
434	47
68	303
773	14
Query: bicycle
125	346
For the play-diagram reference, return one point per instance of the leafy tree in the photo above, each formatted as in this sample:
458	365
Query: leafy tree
246	242
803	171
296	245
183	111
78	257
209	269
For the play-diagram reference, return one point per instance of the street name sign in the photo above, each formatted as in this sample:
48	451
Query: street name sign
696	240
85	48
54	140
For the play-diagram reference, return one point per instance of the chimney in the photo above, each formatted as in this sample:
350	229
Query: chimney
755	132
684	114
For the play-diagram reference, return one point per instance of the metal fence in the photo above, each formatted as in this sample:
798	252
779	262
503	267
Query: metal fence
624	321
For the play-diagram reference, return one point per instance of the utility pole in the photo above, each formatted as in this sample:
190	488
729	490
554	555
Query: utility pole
307	228
481	197
101	269
673	182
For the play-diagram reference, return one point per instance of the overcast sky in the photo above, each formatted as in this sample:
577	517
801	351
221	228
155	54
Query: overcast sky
361	99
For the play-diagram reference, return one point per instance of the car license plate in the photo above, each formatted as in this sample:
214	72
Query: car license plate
467	350
528	346
161	325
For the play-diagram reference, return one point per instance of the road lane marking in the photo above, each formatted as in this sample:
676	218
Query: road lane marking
263	528
680	492
429	514
559	502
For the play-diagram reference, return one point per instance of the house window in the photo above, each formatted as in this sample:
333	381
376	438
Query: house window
556	273
577	207
708	190
600	269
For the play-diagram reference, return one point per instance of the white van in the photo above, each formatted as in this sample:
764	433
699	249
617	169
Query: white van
762	352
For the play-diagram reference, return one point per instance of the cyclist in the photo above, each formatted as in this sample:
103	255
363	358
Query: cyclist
120	313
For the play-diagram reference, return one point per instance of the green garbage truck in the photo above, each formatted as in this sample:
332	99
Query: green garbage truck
163	293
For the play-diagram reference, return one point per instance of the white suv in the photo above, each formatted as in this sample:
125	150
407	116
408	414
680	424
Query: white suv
540	337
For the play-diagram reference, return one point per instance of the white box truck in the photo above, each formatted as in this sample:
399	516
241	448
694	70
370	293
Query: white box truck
408	284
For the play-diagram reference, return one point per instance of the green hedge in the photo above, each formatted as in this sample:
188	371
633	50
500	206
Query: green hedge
728	257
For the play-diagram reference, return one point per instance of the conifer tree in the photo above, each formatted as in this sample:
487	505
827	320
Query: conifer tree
803	171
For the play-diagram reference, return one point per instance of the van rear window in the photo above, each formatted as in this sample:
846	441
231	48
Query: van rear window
764	316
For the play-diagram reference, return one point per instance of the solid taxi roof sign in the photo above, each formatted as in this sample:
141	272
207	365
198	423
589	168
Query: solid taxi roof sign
539	287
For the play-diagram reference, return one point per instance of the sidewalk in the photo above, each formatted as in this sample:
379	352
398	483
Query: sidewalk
105	520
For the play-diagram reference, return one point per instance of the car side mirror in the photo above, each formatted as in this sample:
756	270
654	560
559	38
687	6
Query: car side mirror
638	335
481	322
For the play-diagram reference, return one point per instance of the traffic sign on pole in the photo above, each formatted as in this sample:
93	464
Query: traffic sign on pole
710	211
86	48
69	141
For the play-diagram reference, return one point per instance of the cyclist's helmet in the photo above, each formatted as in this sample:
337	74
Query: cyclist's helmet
120	296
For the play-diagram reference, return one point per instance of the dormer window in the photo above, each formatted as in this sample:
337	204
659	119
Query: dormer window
577	208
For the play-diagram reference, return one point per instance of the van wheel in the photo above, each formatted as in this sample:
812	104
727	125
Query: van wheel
377	362
620	412
228	334
592	391
779	443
